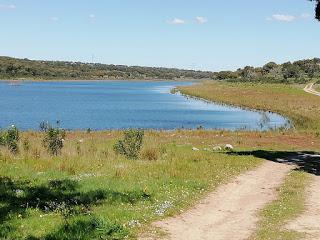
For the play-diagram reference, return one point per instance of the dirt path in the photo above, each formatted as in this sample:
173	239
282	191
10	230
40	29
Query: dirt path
231	211
309	221
309	89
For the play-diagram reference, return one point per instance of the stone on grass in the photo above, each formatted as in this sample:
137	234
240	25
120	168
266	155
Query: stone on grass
229	147
217	148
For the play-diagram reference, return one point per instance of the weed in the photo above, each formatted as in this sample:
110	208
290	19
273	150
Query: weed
131	144
53	140
10	139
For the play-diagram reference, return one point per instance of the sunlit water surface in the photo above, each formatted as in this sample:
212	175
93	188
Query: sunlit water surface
120	104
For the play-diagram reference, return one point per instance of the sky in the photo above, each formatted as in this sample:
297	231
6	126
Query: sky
191	34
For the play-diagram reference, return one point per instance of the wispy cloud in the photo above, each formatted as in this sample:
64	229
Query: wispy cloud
282	18
305	15
8	7
288	18
176	21
201	20
54	19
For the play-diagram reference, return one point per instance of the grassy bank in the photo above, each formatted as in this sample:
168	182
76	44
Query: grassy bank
304	111
289	100
90	192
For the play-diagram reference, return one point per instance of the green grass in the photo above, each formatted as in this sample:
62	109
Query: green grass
89	192
289	205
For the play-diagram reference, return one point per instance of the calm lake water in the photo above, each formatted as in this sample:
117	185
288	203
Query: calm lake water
119	104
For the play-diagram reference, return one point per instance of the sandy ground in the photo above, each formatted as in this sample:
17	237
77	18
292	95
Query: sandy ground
309	89
231	211
309	221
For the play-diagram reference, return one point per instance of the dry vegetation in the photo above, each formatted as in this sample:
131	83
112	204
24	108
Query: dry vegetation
303	109
289	100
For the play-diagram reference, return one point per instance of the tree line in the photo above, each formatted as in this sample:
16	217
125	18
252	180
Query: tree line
13	68
290	72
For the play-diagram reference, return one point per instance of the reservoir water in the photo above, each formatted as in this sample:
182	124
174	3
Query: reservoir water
103	105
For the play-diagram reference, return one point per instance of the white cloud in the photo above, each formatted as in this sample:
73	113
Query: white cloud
92	16
54	19
177	21
305	15
8	7
201	20
282	18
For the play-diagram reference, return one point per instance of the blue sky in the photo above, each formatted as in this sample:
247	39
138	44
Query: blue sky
192	34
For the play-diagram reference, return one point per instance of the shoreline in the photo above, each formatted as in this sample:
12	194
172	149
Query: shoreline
289	122
103	80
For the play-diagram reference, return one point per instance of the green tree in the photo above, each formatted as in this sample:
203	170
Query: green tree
269	67
290	70
317	8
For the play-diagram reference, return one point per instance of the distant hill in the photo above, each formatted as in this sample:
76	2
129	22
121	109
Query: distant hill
13	68
297	72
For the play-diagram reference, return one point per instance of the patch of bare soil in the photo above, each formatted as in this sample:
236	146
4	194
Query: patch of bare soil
230	212
309	221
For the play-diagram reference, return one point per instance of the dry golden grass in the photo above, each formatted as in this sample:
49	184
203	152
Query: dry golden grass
289	100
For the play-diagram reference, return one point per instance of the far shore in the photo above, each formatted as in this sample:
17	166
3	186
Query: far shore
103	80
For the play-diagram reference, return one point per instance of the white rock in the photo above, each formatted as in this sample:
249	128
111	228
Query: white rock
217	148
229	147
195	149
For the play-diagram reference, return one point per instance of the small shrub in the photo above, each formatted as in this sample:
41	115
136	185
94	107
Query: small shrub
10	139
78	148
53	140
2	141
131	144
44	126
151	154
26	145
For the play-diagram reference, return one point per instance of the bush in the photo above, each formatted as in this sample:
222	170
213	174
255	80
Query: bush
151	154
44	126
10	139
131	144
53	140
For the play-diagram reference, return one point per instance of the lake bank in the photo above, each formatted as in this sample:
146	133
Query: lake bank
126	195
288	100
